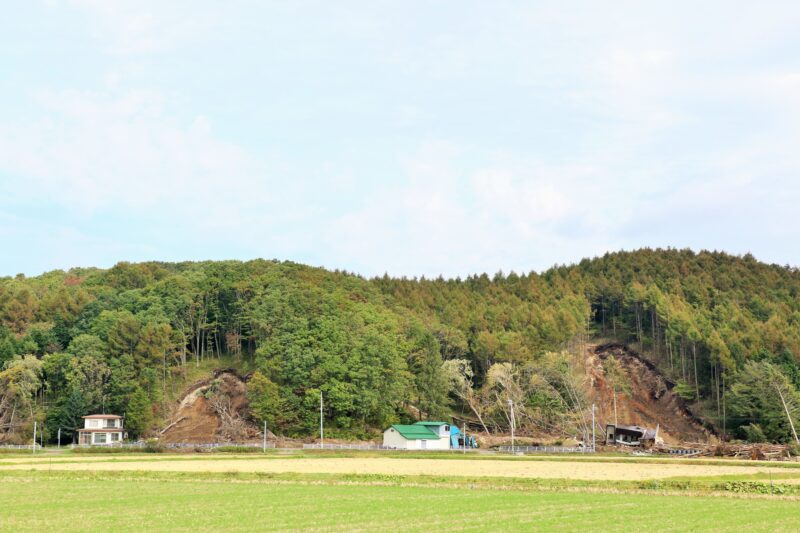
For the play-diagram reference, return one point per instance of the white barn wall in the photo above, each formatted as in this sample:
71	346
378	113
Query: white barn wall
439	444
393	439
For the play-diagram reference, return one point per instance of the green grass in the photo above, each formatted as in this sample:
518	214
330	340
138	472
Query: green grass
754	484
129	501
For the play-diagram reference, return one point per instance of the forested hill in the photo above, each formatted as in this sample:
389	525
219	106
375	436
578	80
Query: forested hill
726	328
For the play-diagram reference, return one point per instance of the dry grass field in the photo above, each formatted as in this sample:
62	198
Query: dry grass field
506	468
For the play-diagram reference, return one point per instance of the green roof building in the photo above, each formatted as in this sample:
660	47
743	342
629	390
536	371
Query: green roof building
420	436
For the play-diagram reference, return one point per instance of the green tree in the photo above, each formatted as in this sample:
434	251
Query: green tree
139	417
265	400
68	416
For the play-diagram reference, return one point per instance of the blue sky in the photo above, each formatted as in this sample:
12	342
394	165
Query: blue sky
414	138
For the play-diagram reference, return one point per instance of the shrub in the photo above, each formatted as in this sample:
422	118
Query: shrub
754	433
152	446
794	449
106	449
238	449
651	484
685	391
752	487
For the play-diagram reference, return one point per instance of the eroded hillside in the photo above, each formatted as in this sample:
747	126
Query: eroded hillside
644	396
213	410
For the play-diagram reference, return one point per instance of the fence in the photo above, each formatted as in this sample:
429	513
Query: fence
179	445
544	449
20	446
317	446
214	445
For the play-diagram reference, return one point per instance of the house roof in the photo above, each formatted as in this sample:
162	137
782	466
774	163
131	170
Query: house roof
650	434
414	431
638	431
111	417
101	430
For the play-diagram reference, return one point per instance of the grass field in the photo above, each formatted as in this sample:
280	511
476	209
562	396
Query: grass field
216	493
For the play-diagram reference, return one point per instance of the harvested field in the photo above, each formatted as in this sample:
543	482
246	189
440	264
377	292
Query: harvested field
583	470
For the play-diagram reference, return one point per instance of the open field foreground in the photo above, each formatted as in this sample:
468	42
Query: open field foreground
511	468
368	493
60	501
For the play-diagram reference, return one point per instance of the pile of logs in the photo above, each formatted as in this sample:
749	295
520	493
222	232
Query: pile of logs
759	452
749	451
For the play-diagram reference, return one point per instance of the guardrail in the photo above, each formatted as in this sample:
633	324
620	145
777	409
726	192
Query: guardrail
677	451
544	449
20	446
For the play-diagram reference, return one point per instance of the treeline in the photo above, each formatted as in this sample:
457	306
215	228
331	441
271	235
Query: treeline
386	349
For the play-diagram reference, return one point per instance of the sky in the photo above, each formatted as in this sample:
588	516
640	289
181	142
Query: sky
410	138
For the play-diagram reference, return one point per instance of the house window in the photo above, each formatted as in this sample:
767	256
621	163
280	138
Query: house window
99	438
114	437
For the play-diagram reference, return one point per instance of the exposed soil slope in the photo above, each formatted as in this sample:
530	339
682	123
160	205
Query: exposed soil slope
212	410
644	396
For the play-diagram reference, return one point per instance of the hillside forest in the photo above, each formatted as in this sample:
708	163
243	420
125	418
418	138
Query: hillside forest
384	350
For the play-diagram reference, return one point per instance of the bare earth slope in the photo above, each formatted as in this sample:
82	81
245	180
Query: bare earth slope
213	410
646	397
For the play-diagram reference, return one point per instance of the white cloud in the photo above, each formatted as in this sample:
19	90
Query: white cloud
445	220
41	246
139	27
109	151
569	130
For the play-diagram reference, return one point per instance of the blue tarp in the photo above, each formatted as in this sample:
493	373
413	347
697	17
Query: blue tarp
454	433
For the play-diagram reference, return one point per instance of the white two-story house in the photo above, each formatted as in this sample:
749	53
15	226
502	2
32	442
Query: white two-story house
101	430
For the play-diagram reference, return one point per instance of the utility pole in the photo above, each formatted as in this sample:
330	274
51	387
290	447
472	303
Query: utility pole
321	424
265	436
594	445
34	436
59	438
786	408
464	438
615	406
511	419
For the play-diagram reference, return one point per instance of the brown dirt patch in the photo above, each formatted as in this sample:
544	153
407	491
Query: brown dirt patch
647	399
213	410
